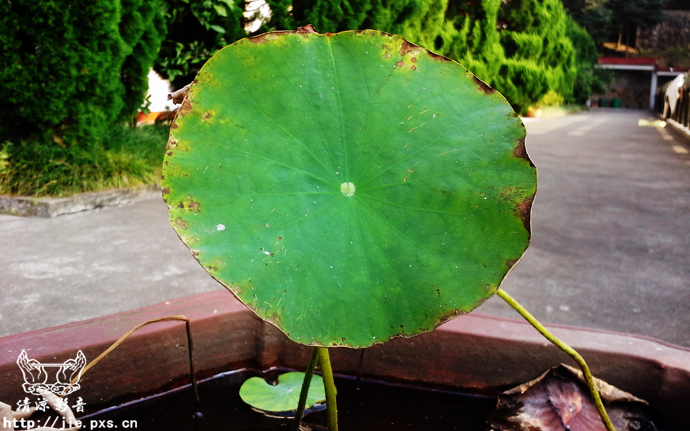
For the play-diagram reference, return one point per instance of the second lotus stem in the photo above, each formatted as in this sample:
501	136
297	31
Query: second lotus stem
329	386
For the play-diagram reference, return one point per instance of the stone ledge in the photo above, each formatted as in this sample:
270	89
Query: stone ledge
53	207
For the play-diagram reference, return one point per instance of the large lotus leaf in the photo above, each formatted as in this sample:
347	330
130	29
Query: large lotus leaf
350	187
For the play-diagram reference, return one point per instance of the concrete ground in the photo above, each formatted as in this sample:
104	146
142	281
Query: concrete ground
611	233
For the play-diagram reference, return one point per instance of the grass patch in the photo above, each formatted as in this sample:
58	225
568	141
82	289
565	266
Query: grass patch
126	158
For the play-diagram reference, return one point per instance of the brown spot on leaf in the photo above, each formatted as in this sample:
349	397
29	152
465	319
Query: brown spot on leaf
174	125
181	205
400	63
194	206
172	143
511	262
186	107
273	319
523	210
449	316
521	152
169	153
262	38
407	48
438	57
181	223
165	190
484	86
206	116
414	67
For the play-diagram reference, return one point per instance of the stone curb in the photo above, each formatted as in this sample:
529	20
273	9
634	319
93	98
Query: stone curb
53	207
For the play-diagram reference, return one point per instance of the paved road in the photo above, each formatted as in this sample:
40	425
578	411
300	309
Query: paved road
611	232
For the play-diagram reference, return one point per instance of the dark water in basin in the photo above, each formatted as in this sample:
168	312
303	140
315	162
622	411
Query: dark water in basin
364	405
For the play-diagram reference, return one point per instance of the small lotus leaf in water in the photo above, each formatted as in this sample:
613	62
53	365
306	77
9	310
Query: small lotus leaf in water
284	395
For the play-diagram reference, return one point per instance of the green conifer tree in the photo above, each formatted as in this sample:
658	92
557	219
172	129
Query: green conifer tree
196	31
541	57
70	73
142	29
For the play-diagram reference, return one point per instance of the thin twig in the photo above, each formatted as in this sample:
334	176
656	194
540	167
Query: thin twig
192	376
178	96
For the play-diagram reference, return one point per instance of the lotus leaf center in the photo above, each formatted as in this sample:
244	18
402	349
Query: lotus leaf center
348	189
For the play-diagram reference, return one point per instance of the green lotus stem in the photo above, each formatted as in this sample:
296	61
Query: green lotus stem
567	349
329	386
305	390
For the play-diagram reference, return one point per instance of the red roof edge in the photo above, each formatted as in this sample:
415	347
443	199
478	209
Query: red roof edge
630	61
672	69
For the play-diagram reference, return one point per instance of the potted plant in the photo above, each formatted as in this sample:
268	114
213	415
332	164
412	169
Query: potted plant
350	189
474	353
396	180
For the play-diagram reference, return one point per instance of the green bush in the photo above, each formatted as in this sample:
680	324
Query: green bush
70	74
551	99
535	36
522	82
61	70
585	59
527	39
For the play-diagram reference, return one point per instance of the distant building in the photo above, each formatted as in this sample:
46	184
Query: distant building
638	79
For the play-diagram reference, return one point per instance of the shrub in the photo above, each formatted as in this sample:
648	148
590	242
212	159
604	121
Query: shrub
61	69
551	99
522	82
528	39
585	59
70	73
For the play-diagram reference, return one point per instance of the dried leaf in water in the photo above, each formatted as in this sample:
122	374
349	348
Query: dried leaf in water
559	400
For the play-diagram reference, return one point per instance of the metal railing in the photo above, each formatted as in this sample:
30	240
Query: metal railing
681	110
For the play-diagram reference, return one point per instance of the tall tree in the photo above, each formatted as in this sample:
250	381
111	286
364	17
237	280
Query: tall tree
628	15
71	71
608	19
142	28
521	47
196	31
593	15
